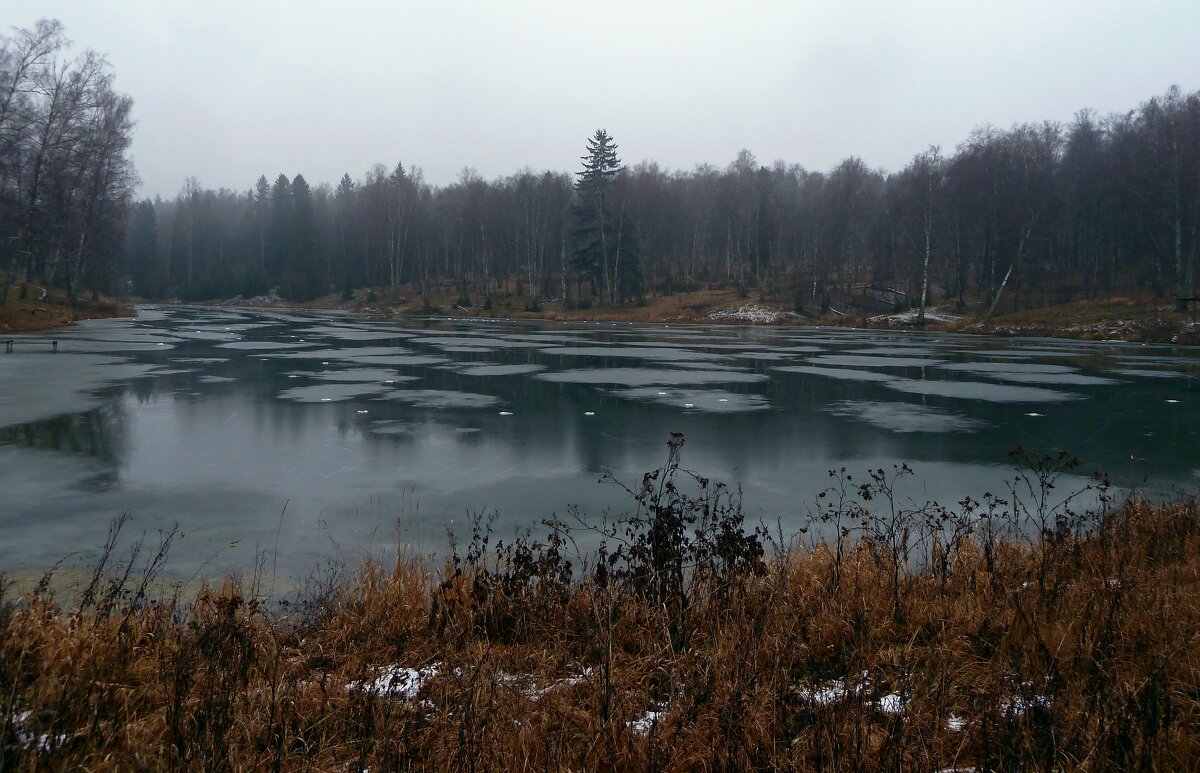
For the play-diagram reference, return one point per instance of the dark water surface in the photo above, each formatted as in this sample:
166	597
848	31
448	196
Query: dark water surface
217	419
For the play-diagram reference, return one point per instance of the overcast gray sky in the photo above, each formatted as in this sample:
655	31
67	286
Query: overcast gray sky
226	91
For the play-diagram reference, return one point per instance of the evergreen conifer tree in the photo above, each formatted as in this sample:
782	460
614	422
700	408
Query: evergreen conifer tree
595	234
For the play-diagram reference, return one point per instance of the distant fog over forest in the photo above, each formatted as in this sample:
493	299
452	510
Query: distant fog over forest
1102	203
1034	212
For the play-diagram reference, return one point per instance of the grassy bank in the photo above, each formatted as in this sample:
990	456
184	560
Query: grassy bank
916	637
1136	318
34	313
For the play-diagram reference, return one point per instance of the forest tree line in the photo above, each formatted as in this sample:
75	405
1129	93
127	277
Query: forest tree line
1036	212
66	177
1100	204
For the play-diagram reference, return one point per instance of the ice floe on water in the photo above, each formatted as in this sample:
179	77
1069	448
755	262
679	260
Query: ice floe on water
716	401
500	370
363	375
410	360
215	379
651	353
391	427
352	333
329	393
263	346
207	335
39	386
1008	367
473	342
979	390
1023	354
1150	373
1029	373
845	374
865	361
441	398
635	377
765	356
904	417
896	351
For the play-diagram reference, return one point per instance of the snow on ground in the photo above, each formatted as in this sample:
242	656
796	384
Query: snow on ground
645	724
396	681
751	312
932	314
892	704
834	691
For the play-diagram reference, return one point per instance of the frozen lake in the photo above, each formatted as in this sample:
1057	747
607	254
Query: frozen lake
332	436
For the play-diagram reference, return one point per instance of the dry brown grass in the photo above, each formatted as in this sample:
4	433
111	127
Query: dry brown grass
30	315
1071	649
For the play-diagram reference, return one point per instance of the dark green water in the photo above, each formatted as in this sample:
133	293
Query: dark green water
321	435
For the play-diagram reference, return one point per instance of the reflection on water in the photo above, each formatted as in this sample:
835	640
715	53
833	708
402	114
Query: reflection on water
329	435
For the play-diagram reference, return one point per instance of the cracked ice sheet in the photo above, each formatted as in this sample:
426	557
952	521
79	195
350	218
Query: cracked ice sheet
352	333
1029	373
652	353
978	390
710	400
499	370
361	375
904	417
845	374
41	386
866	361
441	398
639	377
330	393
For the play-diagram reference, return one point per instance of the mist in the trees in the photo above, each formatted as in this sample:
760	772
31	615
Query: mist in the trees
1032	214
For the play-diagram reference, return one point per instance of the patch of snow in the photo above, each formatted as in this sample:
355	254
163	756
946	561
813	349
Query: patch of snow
955	724
834	691
649	721
395	681
751	312
892	704
44	742
910	317
528	687
1018	705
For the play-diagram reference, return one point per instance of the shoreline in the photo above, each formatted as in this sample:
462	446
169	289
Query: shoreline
762	658
18	317
1115	318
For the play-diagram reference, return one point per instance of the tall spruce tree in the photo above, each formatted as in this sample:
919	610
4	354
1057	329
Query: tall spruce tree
595	233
